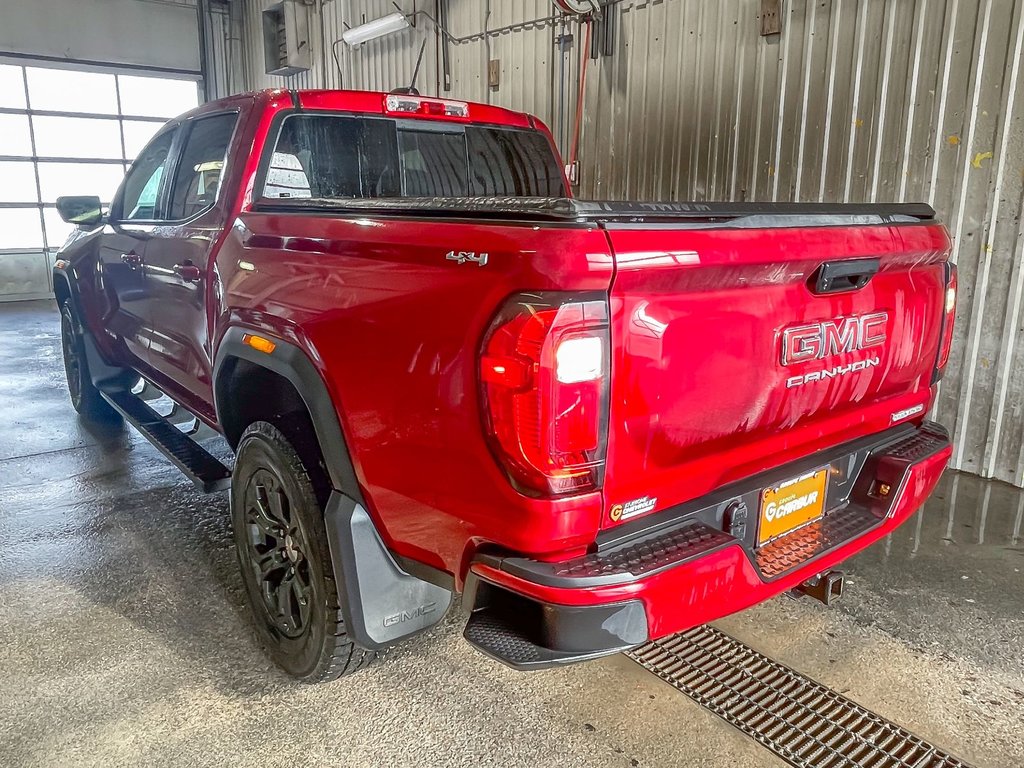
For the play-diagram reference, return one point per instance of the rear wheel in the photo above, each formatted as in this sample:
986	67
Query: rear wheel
85	398
282	551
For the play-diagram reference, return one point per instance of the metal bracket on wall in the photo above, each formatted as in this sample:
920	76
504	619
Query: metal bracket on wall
446	51
411	15
771	17
602	43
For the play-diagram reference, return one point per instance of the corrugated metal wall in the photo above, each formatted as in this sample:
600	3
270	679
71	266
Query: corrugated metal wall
532	68
855	100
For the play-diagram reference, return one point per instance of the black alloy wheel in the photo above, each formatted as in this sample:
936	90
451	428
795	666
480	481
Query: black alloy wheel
85	397
276	554
289	579
72	360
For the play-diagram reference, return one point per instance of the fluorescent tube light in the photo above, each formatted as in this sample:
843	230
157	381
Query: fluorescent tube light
371	30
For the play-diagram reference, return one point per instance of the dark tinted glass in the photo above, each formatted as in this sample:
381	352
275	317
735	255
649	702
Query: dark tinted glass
202	162
329	156
434	164
339	157
512	163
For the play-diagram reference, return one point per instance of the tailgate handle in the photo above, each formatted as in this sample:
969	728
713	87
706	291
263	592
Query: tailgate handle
836	276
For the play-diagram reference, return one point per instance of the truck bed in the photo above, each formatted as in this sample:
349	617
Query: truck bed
700	297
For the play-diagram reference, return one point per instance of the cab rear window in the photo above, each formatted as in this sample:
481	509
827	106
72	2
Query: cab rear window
345	157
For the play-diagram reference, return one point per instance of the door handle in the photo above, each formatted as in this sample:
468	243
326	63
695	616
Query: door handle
132	259
188	272
837	276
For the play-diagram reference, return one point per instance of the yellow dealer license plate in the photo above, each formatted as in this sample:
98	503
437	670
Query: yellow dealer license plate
791	504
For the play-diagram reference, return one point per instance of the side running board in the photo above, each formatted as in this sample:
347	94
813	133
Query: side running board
198	465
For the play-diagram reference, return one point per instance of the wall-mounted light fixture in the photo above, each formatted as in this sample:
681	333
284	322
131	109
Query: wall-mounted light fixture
371	30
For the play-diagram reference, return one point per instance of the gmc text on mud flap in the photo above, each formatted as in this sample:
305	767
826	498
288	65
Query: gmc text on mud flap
415	613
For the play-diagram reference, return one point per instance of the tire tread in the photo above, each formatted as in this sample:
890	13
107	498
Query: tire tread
340	655
91	404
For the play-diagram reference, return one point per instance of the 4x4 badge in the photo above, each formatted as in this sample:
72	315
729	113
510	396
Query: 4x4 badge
461	257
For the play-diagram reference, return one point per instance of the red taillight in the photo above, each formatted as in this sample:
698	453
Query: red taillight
949	312
544	372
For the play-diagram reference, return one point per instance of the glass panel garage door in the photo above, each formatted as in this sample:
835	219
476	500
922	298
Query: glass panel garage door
69	132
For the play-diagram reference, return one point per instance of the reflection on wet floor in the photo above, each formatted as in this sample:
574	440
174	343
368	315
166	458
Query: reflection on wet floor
997	514
983	517
952	577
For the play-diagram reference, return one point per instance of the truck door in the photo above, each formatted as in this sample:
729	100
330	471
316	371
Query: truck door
122	253
178	265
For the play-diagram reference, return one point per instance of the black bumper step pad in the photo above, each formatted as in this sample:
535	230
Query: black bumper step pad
931	439
526	635
645	557
205	470
794	549
800	720
842	525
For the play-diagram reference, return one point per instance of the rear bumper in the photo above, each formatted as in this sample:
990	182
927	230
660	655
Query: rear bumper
698	563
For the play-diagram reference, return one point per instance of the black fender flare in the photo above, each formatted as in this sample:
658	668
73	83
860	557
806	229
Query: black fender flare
104	375
64	275
380	602
292	363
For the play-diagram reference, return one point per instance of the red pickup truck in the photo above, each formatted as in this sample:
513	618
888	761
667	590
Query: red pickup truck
601	423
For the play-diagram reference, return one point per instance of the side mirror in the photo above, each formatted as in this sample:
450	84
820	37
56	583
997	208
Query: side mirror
82	210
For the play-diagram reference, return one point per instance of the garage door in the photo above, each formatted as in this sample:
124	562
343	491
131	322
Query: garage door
68	132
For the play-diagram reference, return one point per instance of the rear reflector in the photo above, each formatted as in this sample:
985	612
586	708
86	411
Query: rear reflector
544	375
416	105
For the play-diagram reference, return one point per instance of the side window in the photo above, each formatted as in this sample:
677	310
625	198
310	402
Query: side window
141	185
202	161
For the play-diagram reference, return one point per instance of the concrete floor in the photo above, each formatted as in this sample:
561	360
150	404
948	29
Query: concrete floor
125	638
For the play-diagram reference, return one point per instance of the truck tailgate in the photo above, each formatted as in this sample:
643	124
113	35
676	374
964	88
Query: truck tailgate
731	356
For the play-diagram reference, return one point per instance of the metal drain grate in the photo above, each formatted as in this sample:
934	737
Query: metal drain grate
801	721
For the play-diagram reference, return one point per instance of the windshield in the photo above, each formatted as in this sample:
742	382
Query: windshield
340	156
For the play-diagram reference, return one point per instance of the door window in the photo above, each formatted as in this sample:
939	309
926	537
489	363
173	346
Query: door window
202	162
142	184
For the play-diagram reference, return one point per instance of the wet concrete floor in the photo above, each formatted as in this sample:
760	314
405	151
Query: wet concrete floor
125	640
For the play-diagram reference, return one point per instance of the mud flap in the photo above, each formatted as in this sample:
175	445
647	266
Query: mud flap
381	603
105	377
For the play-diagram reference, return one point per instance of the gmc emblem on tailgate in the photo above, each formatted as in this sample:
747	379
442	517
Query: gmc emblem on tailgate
833	337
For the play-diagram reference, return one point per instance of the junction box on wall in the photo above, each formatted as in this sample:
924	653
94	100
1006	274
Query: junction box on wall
286	47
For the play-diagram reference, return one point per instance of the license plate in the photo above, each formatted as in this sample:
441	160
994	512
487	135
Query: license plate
791	504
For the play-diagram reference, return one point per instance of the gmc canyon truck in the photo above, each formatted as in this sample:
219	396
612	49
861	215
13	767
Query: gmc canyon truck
601	423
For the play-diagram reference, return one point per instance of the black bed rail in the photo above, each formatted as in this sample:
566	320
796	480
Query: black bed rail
611	213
